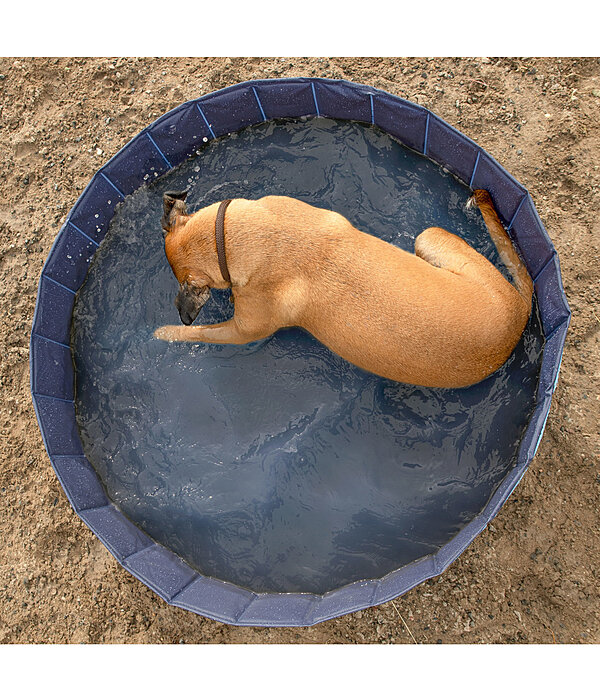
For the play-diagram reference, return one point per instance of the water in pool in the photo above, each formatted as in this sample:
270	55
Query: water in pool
277	465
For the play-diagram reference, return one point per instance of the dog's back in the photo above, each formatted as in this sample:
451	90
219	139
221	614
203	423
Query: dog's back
386	310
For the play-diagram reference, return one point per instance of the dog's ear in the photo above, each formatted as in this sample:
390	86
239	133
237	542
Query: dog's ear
170	199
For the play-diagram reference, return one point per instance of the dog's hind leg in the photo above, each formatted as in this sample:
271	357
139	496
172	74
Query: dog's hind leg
443	249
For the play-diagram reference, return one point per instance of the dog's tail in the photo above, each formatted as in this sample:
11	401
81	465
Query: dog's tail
521	278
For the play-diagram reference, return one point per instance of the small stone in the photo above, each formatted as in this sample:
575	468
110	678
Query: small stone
534	555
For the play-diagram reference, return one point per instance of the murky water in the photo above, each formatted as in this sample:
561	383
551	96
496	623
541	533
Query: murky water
277	465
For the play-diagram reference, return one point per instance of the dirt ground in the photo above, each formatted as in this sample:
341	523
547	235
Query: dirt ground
531	576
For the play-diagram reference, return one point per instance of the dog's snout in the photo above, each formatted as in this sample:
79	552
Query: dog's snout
185	317
185	309
189	301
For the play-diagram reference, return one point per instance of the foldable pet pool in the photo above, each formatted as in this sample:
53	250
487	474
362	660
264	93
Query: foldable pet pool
274	483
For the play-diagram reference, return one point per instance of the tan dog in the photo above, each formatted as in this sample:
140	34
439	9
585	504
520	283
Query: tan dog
444	317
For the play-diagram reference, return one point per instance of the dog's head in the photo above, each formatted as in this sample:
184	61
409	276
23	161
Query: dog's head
194	287
173	207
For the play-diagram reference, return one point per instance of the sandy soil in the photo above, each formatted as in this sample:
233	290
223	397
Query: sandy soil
531	576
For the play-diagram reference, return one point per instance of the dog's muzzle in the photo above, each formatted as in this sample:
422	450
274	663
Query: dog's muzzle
189	301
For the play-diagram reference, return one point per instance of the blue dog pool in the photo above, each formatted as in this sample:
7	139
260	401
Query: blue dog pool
275	483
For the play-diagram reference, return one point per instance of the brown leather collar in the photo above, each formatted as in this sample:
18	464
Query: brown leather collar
220	238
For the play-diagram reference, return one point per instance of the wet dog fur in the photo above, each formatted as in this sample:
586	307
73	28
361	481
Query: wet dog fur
443	317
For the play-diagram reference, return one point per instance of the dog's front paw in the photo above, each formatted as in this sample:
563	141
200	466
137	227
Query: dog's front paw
169	333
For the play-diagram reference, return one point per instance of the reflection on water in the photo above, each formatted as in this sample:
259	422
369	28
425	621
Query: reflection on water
279	466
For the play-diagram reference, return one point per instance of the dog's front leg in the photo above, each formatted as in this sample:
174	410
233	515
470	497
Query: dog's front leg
228	332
